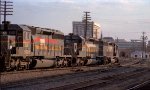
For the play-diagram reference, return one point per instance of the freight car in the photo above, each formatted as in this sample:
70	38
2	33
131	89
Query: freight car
28	47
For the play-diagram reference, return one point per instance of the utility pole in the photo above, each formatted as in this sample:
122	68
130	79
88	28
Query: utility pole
144	38
86	19
101	36
0	46
5	10
0	14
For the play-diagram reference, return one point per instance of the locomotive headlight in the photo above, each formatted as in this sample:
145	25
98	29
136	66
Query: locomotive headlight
10	47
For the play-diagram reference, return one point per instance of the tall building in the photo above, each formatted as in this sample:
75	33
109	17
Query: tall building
93	29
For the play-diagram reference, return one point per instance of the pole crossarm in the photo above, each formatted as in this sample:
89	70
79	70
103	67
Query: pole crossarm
5	10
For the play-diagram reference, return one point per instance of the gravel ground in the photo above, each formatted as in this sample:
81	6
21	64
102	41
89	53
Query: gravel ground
135	62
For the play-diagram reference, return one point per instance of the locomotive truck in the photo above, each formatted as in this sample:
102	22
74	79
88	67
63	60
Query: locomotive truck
28	47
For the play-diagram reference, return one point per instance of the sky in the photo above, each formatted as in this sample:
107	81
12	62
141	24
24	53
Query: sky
125	19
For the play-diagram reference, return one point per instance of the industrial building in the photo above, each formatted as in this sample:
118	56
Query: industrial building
128	47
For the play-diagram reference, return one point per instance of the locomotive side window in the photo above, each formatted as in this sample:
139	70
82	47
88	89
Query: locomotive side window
3	33
27	35
57	36
11	32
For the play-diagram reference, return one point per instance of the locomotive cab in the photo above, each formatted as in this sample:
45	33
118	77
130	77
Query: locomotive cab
13	46
72	47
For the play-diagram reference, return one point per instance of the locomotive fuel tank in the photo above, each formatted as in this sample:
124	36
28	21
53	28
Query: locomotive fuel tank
43	63
91	61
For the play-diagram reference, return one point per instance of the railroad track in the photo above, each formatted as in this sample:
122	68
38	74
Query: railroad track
131	63
54	69
45	79
36	70
140	86
101	82
6	77
80	80
64	68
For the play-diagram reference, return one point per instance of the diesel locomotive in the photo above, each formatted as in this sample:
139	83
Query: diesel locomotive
28	47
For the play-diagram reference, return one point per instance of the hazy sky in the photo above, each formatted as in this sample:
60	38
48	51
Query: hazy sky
118	18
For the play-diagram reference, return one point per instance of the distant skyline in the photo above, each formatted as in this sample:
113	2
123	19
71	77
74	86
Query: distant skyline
125	19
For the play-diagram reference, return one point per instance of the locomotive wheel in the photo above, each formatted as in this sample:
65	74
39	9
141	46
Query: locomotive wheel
59	66
109	60
78	62
116	61
17	65
65	63
62	65
16	68
81	63
105	60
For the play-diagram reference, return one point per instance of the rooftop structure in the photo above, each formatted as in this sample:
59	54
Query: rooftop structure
108	39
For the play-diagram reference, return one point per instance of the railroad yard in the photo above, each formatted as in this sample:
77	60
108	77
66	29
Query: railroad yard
41	55
129	75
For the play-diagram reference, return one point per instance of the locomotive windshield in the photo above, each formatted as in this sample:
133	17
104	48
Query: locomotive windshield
73	39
